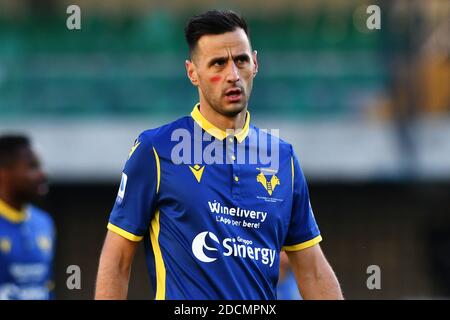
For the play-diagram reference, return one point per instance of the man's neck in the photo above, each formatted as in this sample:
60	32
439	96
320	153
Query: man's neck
221	121
10	201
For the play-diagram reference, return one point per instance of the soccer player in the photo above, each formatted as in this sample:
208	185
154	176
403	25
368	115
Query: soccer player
26	232
214	229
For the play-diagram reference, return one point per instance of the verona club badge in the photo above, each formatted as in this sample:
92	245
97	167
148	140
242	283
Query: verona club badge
268	179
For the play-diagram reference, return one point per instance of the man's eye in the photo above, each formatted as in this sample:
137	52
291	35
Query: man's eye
241	60
219	63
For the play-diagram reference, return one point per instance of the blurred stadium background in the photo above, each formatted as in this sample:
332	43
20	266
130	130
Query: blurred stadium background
367	111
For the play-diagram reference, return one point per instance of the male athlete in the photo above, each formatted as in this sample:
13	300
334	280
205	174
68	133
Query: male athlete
214	229
26	232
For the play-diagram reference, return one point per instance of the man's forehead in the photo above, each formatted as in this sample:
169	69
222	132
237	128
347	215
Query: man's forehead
218	45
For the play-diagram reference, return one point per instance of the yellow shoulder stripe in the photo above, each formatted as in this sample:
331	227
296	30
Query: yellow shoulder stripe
159	262
133	149
158	170
293	173
124	233
303	245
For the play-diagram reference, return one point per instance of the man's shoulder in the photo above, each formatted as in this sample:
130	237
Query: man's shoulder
164	132
40	217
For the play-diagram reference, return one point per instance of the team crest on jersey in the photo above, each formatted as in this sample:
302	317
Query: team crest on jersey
5	245
268	183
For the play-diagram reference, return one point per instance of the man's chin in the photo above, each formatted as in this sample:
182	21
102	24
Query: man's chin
232	109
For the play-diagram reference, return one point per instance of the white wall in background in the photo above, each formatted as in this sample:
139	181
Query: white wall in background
336	150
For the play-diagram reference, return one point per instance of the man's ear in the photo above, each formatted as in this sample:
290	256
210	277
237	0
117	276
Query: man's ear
191	72
255	62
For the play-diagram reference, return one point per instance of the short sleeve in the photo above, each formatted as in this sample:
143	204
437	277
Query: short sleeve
303	231
135	203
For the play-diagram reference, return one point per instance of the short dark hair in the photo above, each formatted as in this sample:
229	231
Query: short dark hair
212	22
9	146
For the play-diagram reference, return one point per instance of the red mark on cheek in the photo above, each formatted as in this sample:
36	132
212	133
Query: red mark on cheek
215	78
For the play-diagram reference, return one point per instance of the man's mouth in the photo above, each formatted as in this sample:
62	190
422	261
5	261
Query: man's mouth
233	94
42	189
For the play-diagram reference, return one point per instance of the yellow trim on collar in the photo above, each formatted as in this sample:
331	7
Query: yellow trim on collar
11	214
216	132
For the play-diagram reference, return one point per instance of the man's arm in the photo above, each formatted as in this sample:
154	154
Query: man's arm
114	268
315	277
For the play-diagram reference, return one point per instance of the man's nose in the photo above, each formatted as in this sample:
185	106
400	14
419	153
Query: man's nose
232	73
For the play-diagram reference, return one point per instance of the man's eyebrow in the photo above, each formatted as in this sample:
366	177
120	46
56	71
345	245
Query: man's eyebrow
217	59
242	56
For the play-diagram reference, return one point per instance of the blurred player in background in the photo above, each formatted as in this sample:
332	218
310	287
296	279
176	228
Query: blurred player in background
26	232
287	288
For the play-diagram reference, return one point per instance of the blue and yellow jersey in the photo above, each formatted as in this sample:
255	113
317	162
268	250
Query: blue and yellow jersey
26	254
213	229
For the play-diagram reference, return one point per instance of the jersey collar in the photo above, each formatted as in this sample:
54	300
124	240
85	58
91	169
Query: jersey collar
216	132
11	214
